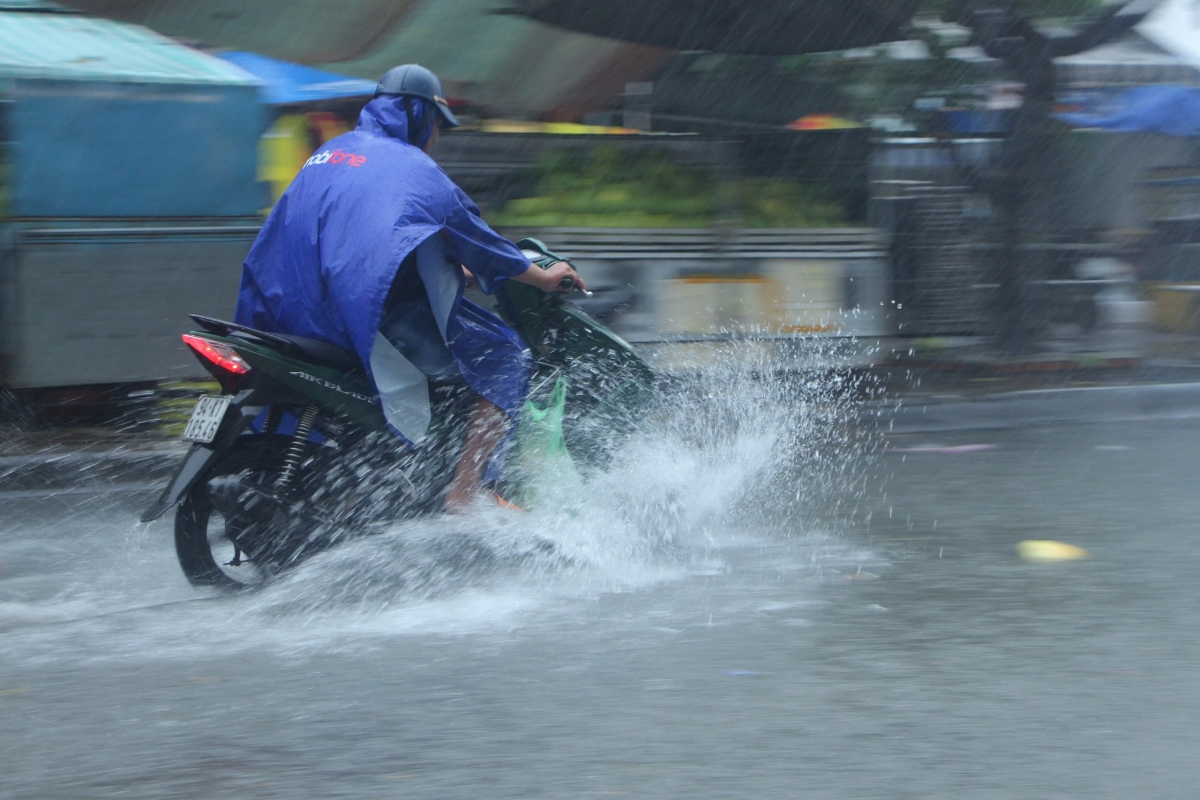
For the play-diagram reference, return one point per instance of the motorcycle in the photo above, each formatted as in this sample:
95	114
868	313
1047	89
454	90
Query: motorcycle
295	454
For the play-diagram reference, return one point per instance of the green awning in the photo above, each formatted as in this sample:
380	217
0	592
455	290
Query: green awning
507	62
511	65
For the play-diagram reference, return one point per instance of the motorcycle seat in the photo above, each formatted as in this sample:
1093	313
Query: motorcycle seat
295	346
325	352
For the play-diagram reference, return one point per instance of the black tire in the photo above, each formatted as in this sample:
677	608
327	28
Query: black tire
202	535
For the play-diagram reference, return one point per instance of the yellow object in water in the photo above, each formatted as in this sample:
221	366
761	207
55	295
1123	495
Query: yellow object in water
1044	551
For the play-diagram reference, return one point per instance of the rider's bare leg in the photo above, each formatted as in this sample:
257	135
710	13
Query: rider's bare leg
485	429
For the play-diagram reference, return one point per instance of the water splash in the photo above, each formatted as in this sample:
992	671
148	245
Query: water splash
742	448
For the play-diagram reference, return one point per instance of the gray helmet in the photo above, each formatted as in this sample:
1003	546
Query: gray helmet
413	80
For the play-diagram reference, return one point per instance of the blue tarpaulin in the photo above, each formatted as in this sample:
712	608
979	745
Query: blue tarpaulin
1173	110
284	83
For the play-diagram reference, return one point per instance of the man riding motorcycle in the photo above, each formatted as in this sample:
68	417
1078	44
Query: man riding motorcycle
371	247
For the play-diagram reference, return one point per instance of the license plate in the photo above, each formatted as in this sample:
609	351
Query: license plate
206	418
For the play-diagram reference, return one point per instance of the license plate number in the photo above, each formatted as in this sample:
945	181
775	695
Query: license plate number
206	418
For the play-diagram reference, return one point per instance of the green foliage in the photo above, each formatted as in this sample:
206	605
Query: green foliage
606	187
774	203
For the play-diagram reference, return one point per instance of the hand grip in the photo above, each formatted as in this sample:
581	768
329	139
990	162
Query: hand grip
567	283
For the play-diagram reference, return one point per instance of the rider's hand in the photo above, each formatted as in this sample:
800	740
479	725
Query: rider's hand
550	280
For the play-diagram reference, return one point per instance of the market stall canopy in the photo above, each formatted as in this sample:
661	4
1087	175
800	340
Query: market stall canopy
1175	27
285	83
511	62
320	32
40	40
107	119
1130	61
751	27
1163	48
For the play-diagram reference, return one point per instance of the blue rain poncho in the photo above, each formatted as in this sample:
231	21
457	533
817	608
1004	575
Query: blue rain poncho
328	254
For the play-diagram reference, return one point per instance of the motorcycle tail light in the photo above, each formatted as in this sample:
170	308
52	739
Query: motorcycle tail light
217	353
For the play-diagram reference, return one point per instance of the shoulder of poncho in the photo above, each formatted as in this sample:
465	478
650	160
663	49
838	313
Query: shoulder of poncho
435	169
413	158
422	167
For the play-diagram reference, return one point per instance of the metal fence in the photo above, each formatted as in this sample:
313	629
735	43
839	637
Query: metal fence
941	251
103	302
681	283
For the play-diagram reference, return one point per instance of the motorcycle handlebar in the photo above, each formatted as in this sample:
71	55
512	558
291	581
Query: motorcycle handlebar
568	283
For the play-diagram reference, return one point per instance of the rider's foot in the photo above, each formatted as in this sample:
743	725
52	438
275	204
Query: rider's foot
485	429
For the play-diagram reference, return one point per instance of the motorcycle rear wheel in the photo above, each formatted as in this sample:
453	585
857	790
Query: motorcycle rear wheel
203	536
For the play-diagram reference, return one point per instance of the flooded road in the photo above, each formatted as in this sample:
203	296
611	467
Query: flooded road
700	628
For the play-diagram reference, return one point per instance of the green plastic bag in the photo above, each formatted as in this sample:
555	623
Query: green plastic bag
546	476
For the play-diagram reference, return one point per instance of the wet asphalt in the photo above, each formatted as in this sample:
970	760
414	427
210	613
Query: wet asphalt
856	625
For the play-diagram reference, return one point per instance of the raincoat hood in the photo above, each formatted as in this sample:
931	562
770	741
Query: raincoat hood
385	116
